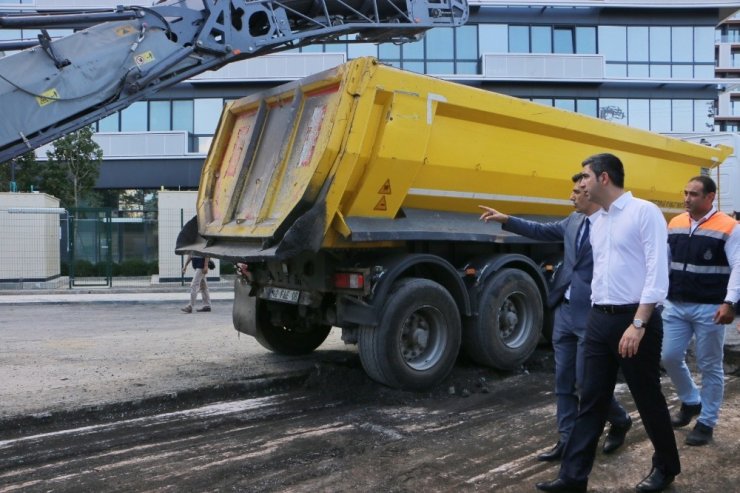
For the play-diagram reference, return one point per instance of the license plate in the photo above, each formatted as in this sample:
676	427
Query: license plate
284	295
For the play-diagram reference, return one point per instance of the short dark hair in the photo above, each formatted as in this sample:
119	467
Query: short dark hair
609	164
577	177
707	183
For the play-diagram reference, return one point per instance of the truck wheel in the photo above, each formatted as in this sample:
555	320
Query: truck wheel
292	339
417	341
507	327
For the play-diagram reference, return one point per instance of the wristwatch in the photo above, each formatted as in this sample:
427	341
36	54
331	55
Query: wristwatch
638	323
732	305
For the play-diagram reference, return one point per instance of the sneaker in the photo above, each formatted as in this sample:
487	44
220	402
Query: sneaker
700	435
187	309
204	309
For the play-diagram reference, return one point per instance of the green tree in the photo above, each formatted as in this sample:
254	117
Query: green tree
26	171
73	167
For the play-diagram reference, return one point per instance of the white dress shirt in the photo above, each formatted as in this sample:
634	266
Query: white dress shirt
732	250
629	243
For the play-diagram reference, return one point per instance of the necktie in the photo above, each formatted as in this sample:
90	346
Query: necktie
584	234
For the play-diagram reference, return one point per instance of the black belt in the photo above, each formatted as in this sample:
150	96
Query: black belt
617	308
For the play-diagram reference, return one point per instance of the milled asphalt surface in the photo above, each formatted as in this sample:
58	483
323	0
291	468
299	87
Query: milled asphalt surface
200	351
92	349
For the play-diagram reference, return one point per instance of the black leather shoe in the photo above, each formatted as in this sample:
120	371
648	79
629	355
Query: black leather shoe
684	415
615	437
700	435
562	486
655	481
553	454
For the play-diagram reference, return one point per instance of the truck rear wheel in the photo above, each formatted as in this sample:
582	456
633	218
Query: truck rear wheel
507	327
417	341
293	338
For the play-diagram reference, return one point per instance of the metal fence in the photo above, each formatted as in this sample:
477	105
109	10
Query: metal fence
53	248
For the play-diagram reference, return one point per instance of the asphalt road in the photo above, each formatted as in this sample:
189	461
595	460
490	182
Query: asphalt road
140	397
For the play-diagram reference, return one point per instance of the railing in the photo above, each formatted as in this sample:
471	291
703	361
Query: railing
542	66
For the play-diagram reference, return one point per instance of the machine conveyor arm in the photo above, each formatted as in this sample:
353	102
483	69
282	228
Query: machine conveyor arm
130	53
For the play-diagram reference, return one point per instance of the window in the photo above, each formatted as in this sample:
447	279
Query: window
583	106
682	47
683	115
587	107
660	115
704	44
703	115
440	44
637	40
492	38
207	112
159	115
564	40
441	51
660	44
389	52
565	104
466	42
134	118
639	113
586	40
109	123
613	43
518	39
182	115
541	39
357	50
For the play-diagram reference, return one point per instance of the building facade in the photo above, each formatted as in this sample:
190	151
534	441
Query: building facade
666	66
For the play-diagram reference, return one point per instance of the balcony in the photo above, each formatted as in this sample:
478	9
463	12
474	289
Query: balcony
281	66
127	145
547	67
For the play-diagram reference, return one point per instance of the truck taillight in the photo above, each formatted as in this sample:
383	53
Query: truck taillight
349	280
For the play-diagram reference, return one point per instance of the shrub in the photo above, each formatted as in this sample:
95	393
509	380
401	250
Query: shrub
84	268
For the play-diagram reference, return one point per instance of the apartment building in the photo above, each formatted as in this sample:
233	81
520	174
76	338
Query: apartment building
662	65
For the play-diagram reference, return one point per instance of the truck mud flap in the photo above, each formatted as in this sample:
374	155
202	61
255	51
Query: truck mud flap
244	312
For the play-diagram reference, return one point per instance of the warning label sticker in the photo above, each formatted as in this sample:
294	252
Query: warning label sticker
144	58
386	188
47	97
381	205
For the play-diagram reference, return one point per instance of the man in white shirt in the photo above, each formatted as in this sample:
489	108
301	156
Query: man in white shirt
624	329
704	288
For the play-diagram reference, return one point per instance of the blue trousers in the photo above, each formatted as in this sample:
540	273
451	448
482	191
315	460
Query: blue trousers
681	323
568	339
642	373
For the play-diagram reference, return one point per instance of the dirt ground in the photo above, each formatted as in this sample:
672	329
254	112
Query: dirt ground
136	397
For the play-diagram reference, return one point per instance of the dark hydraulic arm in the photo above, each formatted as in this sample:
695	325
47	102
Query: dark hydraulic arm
57	86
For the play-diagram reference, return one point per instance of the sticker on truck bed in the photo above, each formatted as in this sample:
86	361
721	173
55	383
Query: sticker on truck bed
312	134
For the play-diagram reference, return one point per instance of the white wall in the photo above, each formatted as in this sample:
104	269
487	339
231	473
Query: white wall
175	209
29	237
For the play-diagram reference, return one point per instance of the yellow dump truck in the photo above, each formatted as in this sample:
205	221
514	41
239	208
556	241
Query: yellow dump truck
351	199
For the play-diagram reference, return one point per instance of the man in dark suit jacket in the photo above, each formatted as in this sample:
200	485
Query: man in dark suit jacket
570	298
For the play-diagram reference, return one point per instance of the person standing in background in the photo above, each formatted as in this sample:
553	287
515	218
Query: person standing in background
199	283
570	300
703	291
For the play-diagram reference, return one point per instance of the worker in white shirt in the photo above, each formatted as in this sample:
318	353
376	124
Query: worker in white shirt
624	330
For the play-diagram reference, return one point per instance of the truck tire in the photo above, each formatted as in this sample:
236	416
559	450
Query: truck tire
507	327
417	341
290	339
